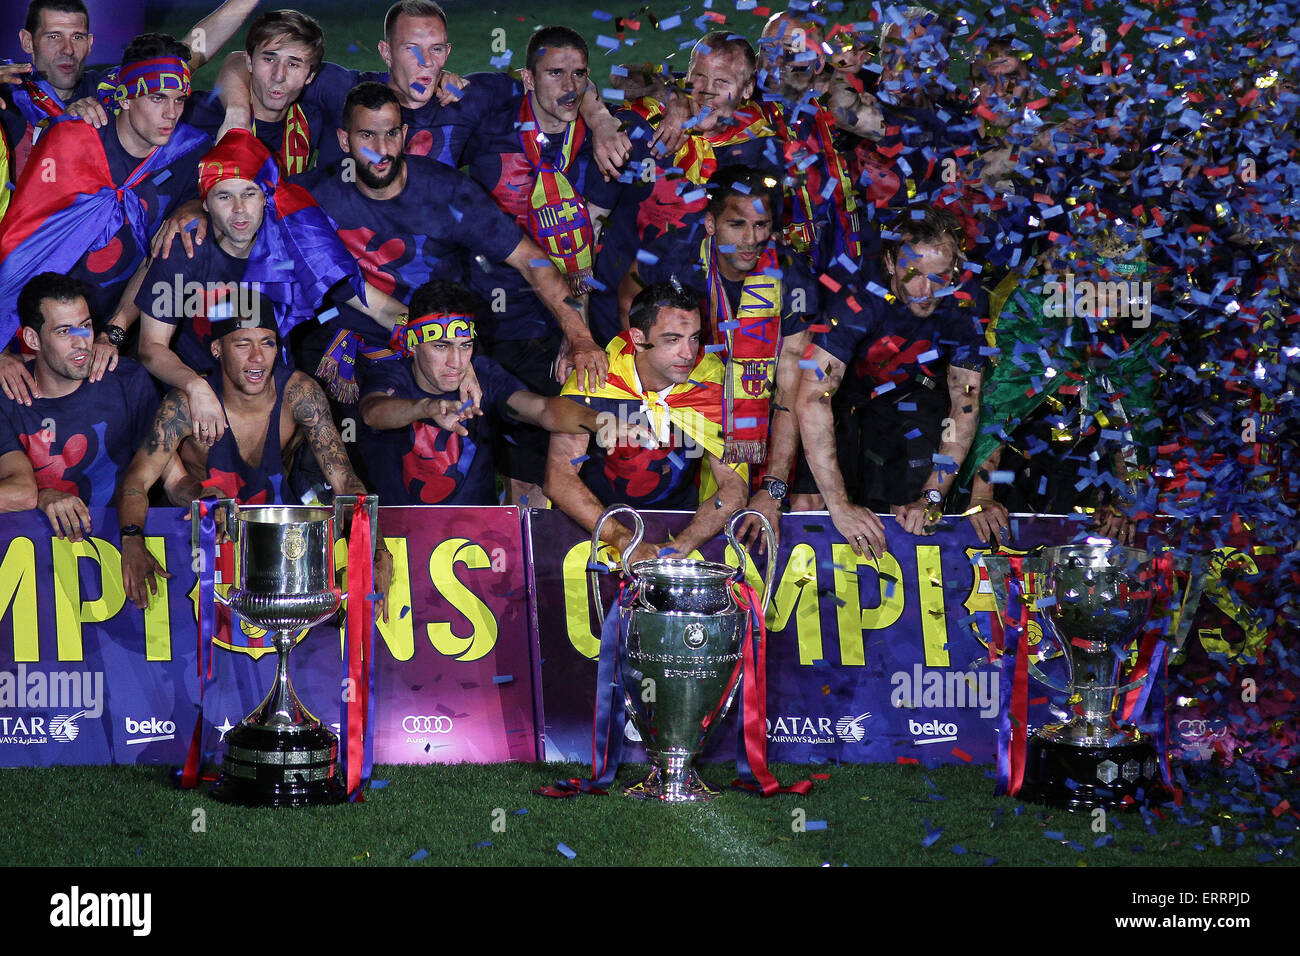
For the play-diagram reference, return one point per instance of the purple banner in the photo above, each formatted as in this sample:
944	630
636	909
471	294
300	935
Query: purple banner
87	678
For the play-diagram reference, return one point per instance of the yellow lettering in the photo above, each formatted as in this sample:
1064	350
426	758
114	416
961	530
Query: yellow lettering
157	616
70	610
794	593
852	617
18	589
398	632
577	601
934	623
483	626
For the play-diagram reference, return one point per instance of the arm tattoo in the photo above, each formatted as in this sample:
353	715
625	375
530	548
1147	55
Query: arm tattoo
171	425
311	410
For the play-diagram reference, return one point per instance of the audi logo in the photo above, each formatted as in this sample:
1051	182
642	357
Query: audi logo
1201	728
426	725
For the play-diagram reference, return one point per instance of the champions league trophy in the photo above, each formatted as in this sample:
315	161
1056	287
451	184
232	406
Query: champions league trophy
280	755
679	651
1103	596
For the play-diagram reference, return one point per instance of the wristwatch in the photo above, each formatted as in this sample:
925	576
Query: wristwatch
934	496
116	335
775	487
131	531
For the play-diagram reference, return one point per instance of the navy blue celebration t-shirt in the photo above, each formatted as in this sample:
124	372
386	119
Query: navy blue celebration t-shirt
422	464
79	443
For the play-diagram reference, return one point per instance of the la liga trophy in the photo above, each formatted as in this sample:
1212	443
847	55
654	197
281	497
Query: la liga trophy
1094	600
681	631
280	755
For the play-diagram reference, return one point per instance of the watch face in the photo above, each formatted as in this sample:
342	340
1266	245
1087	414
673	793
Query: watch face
115	335
775	487
933	497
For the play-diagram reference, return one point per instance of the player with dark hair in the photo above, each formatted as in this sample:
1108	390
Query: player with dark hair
421	446
659	380
64	451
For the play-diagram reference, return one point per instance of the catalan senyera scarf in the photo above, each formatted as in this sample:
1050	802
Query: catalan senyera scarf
800	232
752	336
557	216
697	158
295	150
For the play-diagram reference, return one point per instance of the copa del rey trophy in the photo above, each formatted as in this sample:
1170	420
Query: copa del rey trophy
280	755
1094	600
679	653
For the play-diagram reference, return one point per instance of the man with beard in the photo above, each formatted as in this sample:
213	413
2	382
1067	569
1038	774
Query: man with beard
900	439
65	450
56	35
269	408
409	219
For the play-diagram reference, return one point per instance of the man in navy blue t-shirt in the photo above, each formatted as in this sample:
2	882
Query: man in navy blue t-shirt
907	435
64	451
420	446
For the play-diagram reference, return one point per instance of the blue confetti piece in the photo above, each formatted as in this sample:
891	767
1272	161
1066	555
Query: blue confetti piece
163	176
481	844
717	348
746	422
327	315
601	15
670	23
565	850
419	87
378	784
405	611
612	94
649	258
81	333
815	825
418	855
520	812
608	43
370	155
503	679
419	56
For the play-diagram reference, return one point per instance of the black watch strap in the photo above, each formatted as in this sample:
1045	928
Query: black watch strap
131	531
116	335
775	487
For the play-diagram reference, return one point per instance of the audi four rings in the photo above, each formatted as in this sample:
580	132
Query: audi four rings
413	724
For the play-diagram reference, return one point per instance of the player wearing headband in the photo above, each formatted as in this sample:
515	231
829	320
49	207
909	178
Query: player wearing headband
89	200
270	409
421	446
63	453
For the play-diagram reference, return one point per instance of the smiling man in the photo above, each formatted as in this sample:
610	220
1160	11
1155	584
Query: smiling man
897	436
63	453
659	379
269	408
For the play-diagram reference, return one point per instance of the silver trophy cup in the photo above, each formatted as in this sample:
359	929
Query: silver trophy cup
280	755
1099	598
680	658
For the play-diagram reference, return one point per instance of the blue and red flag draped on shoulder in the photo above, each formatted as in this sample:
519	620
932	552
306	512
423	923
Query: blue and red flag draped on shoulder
297	256
54	220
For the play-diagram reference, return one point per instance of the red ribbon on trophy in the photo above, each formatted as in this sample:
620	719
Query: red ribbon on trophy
359	647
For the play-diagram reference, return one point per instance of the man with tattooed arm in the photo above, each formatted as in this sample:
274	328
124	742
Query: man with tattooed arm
270	409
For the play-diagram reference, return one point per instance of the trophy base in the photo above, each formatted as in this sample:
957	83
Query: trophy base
659	785
264	767
1074	777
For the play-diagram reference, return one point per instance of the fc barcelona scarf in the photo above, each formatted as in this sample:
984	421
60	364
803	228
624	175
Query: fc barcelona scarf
752	336
799	231
557	217
697	159
295	150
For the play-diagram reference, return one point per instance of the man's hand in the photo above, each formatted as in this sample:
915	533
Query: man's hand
751	531
860	527
138	570
1114	524
448	414
16	381
90	109
990	521
178	224
919	517
588	358
610	146
103	357
237	117
206	413
672	129
449	90
12	73
648	551
68	514
382	580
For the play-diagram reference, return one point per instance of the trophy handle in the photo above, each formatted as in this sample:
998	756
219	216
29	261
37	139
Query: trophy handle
343	505
231	528
743	554
593	582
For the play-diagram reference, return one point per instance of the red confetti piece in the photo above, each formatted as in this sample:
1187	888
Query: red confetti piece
1281	808
762	11
961	754
1071	43
819	327
906	760
1249	97
830	283
853	304
821	776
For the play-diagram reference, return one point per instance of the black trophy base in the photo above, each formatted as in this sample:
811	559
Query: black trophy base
268	768
1074	777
